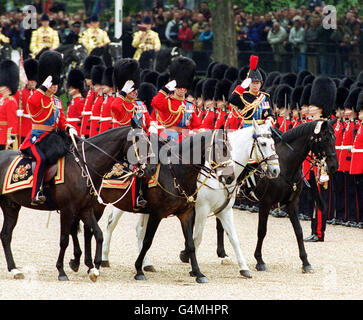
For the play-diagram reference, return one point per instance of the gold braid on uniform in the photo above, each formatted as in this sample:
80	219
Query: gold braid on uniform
250	105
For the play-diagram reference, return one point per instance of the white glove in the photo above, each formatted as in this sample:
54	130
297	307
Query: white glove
128	87
19	113
171	85
246	83
48	82
72	132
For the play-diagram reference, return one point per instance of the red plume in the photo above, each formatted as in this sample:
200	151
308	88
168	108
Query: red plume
253	62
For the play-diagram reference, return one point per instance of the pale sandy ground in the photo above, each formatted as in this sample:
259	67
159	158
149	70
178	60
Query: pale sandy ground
338	263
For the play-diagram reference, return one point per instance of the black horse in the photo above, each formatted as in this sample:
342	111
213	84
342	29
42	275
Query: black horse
293	148
74	197
175	194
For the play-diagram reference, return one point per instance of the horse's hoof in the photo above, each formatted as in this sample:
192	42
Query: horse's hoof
94	274
63	278
192	274
184	257
202	280
73	265
307	269
105	264
226	261
149	269
140	277
17	274
245	274
261	267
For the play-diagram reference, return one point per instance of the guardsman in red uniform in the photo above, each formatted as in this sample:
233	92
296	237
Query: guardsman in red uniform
356	165
75	86
108	98
47	115
321	107
126	106
221	95
171	108
31	71
9	82
199	99
338	198
91	95
346	156
210	118
295	106
96	74
283	93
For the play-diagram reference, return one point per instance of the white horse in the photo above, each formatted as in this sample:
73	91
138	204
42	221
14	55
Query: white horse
252	143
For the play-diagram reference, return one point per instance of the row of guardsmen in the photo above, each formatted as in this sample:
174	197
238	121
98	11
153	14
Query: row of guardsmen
105	97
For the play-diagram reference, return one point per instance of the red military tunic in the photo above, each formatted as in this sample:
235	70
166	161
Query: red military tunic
123	110
347	144
356	165
87	111
282	124
339	128
106	117
46	113
8	118
96	116
221	119
209	120
26	123
74	113
234	119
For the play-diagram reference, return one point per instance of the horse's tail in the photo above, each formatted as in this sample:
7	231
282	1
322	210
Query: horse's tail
318	200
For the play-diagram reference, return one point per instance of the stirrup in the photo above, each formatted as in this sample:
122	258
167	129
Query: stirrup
140	202
38	199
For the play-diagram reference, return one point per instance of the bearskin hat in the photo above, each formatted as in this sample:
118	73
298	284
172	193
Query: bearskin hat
126	69
50	64
219	70
31	69
254	73
210	68
283	95
233	86
222	90
151	77
107	77
359	105
147	91
356	85
276	81
89	62
243	72
323	94
143	73
270	78
308	79
162	80
182	70
360	77
305	96
346	82
289	79
192	89
337	82
76	79
209	86
97	74
352	99
342	95
9	75
300	77
199	89
271	91
295	97
231	74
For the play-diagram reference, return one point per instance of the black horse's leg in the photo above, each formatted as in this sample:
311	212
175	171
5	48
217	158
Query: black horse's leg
187	226
220	240
66	224
11	213
261	233
88	247
184	256
152	226
74	263
292	210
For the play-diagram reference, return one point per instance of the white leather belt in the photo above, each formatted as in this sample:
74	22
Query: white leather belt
106	119
345	147
86	113
357	150
73	119
95	118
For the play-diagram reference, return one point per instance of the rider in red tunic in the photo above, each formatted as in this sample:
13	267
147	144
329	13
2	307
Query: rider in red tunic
75	85
47	116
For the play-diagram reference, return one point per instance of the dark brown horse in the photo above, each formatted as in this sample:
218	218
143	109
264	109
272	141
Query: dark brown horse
73	198
293	148
174	195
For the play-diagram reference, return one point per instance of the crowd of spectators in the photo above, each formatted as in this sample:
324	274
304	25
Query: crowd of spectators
291	39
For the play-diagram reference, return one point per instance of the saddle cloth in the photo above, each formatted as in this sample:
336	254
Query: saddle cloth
20	174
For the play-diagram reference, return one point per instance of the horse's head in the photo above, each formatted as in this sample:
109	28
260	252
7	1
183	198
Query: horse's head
220	157
263	150
322	144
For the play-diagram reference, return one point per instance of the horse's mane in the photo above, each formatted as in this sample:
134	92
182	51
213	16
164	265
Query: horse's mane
301	130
